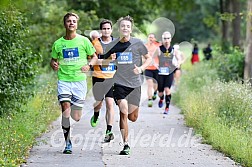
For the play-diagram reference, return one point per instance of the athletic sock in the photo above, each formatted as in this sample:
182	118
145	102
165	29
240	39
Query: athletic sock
66	127
96	115
66	133
167	100
109	128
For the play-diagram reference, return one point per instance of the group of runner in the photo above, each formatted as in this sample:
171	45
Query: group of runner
117	73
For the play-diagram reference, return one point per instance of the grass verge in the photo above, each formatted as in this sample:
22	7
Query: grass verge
220	111
19	130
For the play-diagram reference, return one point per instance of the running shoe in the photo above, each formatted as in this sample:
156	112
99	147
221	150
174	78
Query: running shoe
150	103
93	121
166	111
68	148
160	103
109	136
126	150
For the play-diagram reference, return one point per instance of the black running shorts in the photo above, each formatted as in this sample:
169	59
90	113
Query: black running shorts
132	95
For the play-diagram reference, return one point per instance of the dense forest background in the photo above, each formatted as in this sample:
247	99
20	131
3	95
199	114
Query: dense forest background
30	27
223	84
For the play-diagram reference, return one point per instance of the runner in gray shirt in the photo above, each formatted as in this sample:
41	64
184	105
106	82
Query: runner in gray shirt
128	78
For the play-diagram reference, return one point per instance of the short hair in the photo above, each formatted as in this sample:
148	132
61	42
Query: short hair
166	32
94	33
105	21
68	15
128	18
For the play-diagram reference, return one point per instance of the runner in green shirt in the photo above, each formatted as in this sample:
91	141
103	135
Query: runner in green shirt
69	59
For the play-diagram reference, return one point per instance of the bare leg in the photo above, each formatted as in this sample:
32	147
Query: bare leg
109	111
123	107
133	112
150	88
76	113
97	106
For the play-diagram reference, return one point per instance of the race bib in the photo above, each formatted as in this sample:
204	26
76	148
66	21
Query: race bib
70	54
109	69
164	71
124	57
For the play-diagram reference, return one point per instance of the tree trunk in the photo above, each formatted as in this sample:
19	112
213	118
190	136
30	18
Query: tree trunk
236	22
224	8
248	46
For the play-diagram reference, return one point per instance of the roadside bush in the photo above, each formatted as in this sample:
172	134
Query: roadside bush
229	65
18	65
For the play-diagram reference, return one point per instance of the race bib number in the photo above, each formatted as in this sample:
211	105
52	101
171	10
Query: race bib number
70	54
109	69
164	71
124	58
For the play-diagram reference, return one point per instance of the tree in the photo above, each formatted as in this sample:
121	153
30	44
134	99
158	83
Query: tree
248	46
236	23
140	10
46	24
225	17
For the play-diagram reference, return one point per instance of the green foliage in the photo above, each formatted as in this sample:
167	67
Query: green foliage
115	9
219	111
19	130
197	28
46	24
18	64
6	3
230	65
45	18
198	77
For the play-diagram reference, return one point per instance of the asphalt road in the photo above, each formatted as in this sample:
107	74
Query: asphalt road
155	140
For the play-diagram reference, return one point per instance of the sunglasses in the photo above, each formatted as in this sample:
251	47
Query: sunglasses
166	38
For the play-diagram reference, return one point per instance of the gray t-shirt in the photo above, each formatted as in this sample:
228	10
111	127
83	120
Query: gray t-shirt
103	44
128	55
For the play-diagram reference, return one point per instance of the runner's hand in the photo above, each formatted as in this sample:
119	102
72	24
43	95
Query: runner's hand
55	65
137	70
113	56
85	68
